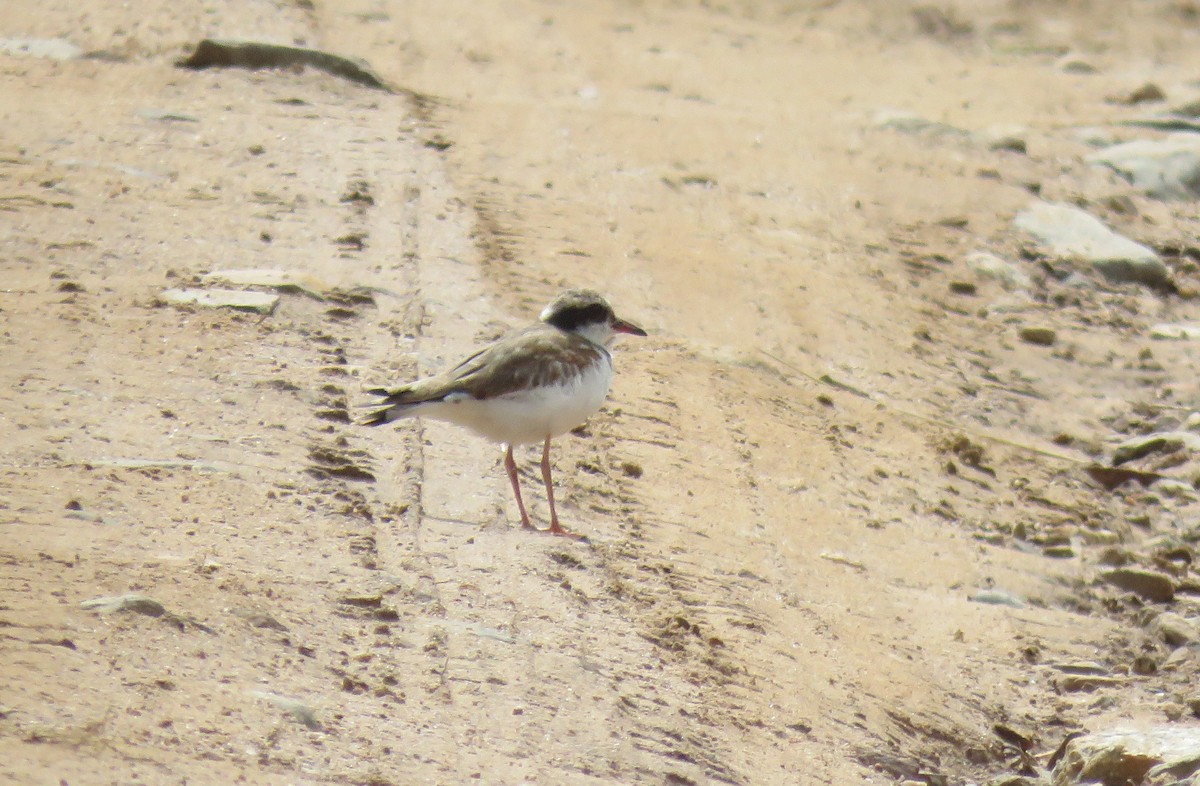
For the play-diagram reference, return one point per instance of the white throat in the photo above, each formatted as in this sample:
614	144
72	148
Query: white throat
598	333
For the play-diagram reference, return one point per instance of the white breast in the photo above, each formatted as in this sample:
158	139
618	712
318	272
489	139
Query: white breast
529	416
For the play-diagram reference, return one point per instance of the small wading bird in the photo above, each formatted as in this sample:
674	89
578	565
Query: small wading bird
525	388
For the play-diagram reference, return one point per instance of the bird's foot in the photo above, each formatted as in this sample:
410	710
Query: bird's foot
557	529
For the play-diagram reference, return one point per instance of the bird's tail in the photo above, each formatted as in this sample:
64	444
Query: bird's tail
397	403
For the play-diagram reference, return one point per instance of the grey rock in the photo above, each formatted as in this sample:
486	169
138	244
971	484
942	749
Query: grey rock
87	163
299	711
1129	755
1071	63
1178	331
1006	138
1093	136
1149	585
909	123
1067	232
1081	667
284	280
136	463
1158	442
142	604
1166	169
149	113
987	265
1175	489
997	598
50	48
1077	683
1174	629
259	302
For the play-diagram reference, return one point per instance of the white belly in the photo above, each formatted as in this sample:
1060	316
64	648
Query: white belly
533	415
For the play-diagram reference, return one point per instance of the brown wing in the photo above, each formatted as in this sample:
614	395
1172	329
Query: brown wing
539	355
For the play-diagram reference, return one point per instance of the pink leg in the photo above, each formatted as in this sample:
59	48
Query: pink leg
511	467
555	527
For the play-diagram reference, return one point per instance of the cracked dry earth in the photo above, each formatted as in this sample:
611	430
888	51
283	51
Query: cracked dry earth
778	582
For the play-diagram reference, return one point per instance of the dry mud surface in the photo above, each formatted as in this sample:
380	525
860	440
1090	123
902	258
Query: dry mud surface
841	524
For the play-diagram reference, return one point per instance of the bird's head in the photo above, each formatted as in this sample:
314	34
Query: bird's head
585	312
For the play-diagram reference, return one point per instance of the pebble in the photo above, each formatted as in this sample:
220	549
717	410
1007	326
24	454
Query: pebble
1081	667
286	280
1175	489
300	711
1074	64
142	604
1158	442
1069	233
49	48
1167	169
1143	445
1042	336
258	302
987	265
1130	754
909	123
997	598
1180	331
1175	629
1149	585
1147	93
1073	683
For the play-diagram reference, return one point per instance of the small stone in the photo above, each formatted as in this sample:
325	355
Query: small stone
1149	585
1081	667
1042	336
259	302
1058	552
300	711
1011	144
1074	683
1175	489
997	598
1174	629
1066	232
49	48
131	602
1074	64
1189	331
963	287
1130	754
631	469
258	619
1167	169
909	123
988	265
1146	93
1158	442
166	114
283	280
1100	537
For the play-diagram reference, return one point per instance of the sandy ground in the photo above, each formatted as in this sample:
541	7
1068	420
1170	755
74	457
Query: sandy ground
778	580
